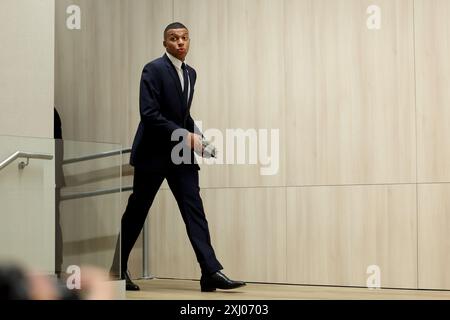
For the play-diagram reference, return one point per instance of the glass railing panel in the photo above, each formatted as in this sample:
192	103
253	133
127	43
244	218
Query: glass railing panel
89	204
61	212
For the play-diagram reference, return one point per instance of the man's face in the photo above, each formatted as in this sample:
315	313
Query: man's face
177	42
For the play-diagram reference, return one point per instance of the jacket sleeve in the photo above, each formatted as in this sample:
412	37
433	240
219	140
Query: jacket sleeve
192	127
150	108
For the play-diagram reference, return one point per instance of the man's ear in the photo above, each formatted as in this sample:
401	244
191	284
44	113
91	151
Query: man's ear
164	44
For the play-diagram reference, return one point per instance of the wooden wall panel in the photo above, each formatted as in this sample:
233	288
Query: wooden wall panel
146	22
343	98
247	230
434	237
91	88
170	252
335	233
98	71
432	30
237	48
350	113
91	71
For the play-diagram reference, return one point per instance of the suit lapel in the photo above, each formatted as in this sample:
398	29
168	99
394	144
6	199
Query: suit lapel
173	73
174	76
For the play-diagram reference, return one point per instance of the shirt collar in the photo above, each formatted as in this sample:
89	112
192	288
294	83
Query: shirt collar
177	63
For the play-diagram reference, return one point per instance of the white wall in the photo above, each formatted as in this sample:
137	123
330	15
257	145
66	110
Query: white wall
27	67
27	221
27	198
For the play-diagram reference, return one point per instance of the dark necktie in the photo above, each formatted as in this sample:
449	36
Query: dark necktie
186	83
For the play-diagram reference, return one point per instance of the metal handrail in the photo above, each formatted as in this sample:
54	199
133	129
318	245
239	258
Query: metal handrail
97	156
95	193
27	155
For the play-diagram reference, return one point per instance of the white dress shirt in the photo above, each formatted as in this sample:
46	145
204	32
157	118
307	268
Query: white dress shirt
177	64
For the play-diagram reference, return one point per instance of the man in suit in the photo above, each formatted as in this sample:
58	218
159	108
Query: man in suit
167	89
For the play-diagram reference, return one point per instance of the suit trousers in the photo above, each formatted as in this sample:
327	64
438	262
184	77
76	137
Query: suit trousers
184	184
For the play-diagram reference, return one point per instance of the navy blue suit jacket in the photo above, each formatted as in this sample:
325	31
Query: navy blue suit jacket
162	111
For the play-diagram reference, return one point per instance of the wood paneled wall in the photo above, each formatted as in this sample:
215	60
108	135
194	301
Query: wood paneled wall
433	142
362	120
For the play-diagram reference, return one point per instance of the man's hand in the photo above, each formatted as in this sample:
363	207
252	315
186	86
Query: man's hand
195	142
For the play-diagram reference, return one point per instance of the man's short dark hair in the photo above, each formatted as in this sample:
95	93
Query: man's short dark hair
174	25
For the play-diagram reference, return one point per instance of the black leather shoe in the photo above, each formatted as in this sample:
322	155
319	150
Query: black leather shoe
218	281
130	285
